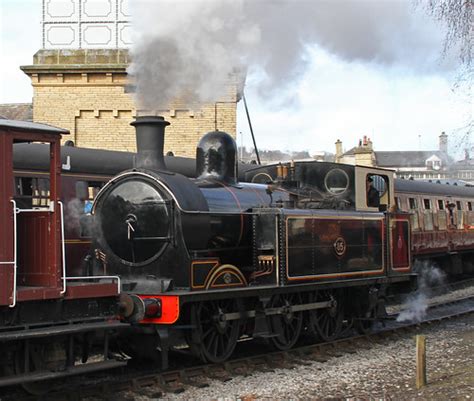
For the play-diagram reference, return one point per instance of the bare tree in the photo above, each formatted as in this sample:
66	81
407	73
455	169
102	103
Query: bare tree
457	16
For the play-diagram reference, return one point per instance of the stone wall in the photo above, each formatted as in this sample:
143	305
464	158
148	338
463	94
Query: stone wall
87	92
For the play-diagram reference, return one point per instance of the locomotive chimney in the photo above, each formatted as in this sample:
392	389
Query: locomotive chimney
150	134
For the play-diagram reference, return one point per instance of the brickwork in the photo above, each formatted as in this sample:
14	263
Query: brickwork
85	92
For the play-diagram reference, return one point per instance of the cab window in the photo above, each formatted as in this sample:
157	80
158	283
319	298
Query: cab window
377	191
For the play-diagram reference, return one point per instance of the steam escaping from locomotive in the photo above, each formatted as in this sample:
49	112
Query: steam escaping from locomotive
202	46
429	276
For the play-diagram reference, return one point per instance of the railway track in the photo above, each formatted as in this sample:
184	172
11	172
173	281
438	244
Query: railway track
154	383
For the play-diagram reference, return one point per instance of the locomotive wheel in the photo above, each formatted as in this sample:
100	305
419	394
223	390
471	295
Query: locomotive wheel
286	325
216	337
326	323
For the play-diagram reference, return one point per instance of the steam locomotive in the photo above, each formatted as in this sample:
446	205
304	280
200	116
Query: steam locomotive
268	252
208	260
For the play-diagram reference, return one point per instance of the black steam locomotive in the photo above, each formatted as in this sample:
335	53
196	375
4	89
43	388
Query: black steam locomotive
211	259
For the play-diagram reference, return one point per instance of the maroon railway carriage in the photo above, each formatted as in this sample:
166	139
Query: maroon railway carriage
47	319
442	221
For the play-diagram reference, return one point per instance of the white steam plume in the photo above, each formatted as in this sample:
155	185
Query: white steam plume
429	276
188	48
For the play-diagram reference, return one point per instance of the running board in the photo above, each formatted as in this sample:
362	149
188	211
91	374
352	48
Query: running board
59	330
75	370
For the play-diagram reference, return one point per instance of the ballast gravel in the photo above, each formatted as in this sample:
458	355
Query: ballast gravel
386	371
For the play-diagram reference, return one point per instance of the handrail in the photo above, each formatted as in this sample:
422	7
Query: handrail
63	248
12	305
44	209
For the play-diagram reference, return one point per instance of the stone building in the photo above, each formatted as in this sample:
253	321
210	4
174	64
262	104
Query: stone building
463	170
80	82
431	164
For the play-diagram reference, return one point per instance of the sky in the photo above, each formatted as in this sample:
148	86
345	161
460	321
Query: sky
316	72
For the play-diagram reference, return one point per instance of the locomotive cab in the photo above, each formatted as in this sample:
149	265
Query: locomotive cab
374	181
330	185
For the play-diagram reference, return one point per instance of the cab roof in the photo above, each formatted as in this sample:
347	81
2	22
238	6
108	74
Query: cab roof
29	126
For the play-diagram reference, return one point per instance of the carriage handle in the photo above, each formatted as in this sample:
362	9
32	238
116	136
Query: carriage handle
63	248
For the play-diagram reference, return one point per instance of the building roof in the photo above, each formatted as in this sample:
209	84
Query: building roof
350	152
414	186
408	158
17	111
465	163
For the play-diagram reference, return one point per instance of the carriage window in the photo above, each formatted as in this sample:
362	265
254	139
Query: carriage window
94	188
413	203
86	191
440	204
427	204
469	206
398	202
458	205
31	192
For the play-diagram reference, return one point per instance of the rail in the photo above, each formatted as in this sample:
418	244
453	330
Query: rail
179	378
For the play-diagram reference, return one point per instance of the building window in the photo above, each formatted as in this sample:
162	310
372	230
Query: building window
440	204
413	203
458	205
427	204
469	206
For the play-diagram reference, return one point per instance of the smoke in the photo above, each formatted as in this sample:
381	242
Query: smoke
77	219
187	51
429	276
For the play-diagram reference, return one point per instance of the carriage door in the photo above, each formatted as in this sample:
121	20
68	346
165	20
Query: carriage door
38	226
35	214
400	243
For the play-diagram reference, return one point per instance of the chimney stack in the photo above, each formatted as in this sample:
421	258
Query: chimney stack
338	150
150	136
443	142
